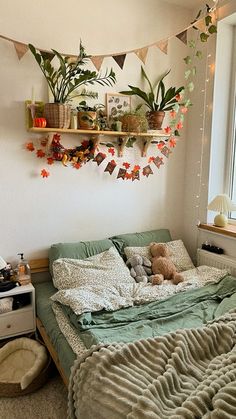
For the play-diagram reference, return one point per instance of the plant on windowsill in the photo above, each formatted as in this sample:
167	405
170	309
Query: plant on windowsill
157	98
66	80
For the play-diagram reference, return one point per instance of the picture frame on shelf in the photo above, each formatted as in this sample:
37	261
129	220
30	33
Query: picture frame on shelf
116	105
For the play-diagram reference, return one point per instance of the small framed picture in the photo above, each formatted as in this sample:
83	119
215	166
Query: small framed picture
116	105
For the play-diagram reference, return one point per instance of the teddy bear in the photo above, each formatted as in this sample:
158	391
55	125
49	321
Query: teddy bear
140	268
162	266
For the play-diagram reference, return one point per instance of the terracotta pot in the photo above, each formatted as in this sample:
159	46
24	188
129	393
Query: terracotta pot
57	115
155	119
87	120
134	123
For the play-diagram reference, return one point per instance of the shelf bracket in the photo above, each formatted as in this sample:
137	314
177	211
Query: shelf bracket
122	141
146	144
49	142
95	139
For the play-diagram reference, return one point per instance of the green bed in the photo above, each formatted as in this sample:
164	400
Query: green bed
187	309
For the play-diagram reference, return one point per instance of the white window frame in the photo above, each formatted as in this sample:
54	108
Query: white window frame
231	148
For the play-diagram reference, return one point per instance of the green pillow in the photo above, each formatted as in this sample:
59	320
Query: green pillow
79	250
140	239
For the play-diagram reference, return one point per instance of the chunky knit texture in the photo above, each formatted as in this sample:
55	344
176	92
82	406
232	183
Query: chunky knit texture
182	375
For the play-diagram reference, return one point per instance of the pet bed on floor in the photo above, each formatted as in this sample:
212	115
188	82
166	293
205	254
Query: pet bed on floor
24	366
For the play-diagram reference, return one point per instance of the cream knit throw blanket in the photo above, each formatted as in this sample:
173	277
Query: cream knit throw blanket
186	374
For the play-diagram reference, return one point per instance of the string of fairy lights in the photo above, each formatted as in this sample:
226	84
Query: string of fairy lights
209	74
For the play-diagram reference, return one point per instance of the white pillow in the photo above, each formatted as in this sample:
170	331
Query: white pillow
106	268
179	254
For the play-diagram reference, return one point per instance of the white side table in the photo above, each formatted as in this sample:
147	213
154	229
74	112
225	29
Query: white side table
22	320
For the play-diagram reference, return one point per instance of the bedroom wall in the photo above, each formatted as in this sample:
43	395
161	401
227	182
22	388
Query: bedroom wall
88	204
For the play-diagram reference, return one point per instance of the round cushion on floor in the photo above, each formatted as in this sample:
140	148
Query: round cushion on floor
23	363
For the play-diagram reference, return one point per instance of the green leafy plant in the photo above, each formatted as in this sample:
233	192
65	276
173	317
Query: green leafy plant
83	106
70	75
157	98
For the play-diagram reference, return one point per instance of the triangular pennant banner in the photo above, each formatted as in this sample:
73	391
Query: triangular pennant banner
20	48
182	36
47	55
142	54
120	59
163	46
200	24
97	61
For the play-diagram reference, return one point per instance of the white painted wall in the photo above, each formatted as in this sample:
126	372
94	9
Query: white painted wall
89	204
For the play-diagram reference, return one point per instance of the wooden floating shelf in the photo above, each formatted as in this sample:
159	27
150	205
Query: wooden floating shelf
122	137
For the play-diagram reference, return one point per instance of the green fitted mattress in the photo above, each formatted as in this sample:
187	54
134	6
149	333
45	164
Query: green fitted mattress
44	311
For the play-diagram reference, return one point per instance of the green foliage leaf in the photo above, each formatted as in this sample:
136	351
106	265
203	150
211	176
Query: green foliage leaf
130	142
192	44
177	134
212	29
199	54
187	74
176	107
194	71
204	37
109	145
191	86
208	20
188	60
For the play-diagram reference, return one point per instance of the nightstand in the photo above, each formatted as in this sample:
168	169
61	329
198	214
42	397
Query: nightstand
22	320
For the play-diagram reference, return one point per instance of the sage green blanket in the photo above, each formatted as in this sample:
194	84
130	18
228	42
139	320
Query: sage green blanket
187	309
186	374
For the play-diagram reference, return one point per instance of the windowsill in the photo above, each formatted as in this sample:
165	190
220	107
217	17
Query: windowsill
229	231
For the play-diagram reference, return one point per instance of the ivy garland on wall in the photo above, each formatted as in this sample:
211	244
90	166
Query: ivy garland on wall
88	151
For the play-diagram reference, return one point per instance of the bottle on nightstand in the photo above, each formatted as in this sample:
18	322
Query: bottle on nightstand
23	271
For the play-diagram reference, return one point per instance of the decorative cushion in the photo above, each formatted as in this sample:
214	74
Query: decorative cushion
140	239
179	254
106	268
79	250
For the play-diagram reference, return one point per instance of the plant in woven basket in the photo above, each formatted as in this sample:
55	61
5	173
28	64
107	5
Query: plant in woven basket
134	121
157	98
68	77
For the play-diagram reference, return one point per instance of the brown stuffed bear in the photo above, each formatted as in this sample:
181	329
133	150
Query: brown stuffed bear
162	265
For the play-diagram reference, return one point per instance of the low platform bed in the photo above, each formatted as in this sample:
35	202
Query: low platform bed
171	355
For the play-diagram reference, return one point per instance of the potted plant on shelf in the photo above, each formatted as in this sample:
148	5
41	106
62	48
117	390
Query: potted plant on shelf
157	99
134	121
65	80
88	115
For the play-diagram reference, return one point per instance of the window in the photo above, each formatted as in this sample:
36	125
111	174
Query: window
231	157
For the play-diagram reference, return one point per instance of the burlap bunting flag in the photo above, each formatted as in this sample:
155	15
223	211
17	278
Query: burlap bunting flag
163	46
21	49
97	61
48	55
200	24
120	60
142	54
182	36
